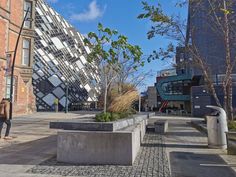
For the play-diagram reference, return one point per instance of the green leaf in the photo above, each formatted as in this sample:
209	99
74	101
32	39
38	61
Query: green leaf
141	16
100	27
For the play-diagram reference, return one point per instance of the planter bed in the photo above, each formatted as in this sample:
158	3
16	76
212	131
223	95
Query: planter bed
98	126
231	142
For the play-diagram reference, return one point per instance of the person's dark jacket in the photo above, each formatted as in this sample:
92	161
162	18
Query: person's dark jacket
4	109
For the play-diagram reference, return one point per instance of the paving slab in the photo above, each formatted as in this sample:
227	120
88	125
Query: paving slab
32	153
189	155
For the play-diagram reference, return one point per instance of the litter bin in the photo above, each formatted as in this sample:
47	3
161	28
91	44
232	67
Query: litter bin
216	128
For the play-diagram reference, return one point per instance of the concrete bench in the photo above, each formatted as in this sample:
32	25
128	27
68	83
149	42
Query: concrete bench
161	126
101	147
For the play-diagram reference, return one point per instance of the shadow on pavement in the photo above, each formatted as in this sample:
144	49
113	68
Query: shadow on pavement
29	153
185	164
175	145
186	134
195	146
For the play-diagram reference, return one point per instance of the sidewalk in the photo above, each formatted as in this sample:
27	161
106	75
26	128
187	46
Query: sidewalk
183	151
35	126
33	142
189	154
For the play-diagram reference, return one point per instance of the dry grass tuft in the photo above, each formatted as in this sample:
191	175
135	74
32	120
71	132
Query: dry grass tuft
123	102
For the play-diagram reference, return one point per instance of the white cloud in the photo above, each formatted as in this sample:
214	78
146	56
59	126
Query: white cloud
52	1
93	12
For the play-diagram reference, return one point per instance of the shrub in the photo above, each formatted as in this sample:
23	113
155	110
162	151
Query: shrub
103	117
131	111
123	115
107	117
232	125
115	116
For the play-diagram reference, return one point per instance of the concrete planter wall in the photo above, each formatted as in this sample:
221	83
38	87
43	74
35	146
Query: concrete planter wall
98	143
231	142
100	148
98	126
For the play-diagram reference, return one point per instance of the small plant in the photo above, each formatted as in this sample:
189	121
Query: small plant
123	115
108	117
103	117
232	125
115	116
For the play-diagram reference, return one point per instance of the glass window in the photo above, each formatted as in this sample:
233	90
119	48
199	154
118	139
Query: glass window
26	52
28	5
8	87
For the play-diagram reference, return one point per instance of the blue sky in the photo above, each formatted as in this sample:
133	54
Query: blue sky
121	15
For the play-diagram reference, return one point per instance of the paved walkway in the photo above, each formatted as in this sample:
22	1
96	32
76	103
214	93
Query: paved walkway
33	142
32	152
189	155
36	126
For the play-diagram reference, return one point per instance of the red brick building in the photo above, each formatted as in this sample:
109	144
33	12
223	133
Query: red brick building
11	17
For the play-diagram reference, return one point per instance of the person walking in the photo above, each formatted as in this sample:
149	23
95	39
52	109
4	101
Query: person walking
4	117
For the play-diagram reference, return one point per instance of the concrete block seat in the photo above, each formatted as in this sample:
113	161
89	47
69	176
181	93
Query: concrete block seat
159	126
118	147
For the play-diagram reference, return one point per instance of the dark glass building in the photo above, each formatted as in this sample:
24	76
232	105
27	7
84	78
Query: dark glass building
204	32
60	62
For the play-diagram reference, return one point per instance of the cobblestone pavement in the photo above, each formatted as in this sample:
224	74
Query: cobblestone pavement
150	162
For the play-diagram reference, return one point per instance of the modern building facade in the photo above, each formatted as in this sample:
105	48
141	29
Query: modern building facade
152	98
60	64
188	85
204	31
173	91
205	24
12	13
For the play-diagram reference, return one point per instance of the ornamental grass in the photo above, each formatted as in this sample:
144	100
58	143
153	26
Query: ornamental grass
124	102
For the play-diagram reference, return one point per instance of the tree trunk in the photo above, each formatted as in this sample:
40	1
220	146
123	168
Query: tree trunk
225	91
230	101
105	96
228	79
210	83
207	78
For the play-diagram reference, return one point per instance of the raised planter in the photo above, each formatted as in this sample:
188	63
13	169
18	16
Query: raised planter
100	147
231	142
98	126
100	143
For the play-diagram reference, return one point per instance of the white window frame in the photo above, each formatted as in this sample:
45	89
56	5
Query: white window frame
28	23
23	61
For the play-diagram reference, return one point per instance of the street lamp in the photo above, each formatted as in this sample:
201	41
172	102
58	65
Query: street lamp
14	59
139	103
66	103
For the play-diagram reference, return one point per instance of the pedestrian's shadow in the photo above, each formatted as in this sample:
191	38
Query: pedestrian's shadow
29	153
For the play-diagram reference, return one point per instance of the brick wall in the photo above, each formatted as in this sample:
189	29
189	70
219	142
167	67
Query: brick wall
11	16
